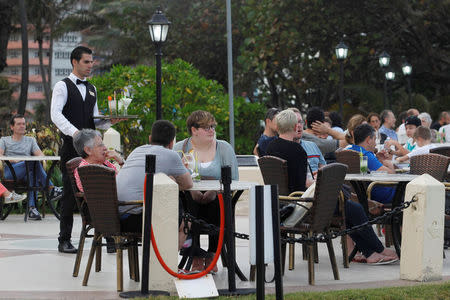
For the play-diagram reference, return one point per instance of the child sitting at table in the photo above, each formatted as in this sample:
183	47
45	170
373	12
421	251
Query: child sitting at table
422	136
411	124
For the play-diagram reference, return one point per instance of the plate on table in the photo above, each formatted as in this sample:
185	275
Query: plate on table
116	117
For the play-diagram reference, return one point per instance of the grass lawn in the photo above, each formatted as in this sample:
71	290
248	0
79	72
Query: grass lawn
424	291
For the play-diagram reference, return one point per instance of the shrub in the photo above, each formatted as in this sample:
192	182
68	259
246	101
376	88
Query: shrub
184	90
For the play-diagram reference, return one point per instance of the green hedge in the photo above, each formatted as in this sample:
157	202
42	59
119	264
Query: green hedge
184	90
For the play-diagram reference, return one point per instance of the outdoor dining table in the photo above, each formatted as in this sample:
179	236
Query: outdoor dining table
237	188
9	160
360	182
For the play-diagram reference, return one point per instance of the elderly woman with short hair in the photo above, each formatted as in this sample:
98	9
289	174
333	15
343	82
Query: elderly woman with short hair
89	145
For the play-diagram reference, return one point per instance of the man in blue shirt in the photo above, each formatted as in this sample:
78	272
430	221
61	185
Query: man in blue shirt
387	123
269	134
365	143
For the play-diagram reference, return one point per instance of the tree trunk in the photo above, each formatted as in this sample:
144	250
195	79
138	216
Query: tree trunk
45	82
25	63
6	9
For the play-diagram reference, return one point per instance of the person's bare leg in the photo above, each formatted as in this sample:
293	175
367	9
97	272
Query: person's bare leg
181	235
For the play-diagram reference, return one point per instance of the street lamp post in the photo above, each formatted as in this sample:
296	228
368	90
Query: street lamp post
407	69
341	55
158	26
384	60
389	76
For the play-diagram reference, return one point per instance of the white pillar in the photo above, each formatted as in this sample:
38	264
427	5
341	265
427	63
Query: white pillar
423	230
165	229
111	139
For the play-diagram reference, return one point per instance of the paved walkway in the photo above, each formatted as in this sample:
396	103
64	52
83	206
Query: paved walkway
32	268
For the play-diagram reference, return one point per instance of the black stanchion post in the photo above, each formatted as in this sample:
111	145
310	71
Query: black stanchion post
276	242
260	267
229	228
229	237
150	163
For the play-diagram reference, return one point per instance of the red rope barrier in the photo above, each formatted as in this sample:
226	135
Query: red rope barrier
216	256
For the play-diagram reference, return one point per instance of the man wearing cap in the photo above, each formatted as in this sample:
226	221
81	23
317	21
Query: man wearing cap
411	123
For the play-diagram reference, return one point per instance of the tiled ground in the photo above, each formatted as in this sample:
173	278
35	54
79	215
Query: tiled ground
32	268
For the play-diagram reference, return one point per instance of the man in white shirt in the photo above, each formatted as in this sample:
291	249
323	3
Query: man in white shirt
74	106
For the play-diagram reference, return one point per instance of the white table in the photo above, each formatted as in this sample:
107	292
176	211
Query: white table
381	177
29	158
215	185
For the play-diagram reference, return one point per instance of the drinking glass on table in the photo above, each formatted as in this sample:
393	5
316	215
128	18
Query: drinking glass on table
363	164
190	161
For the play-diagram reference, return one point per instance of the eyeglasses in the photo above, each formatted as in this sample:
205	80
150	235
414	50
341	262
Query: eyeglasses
208	128
301	122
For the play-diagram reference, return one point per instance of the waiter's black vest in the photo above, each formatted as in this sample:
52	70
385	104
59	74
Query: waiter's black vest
78	112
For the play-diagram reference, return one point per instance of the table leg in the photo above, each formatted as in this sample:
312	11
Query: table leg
396	221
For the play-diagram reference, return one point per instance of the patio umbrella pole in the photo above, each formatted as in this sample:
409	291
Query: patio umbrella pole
150	163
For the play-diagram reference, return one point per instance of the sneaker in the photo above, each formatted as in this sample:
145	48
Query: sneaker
34	214
55	192
14	197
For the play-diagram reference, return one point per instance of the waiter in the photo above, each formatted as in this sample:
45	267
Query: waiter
74	105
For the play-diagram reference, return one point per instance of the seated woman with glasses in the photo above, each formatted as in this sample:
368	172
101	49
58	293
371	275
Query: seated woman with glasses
211	155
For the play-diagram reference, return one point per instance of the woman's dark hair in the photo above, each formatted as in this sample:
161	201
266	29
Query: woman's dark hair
336	120
314	114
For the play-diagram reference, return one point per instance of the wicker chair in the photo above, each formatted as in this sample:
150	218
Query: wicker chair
100	192
86	222
434	164
349	158
318	219
442	151
274	171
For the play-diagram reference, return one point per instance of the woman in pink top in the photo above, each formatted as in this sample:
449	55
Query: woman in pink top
89	145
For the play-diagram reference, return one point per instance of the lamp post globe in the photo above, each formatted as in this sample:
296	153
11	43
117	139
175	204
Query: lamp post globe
406	69
158	26
390	75
341	54
341	51
384	59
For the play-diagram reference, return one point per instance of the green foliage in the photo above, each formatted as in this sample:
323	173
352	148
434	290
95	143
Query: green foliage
183	91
